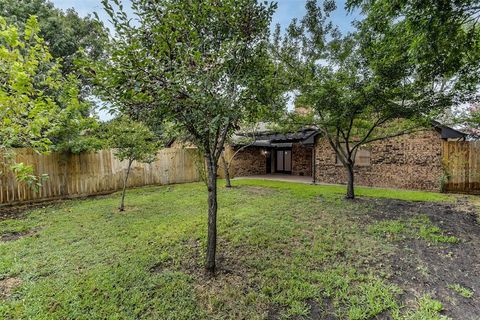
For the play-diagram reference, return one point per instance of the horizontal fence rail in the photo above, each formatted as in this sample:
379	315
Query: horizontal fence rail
75	175
461	163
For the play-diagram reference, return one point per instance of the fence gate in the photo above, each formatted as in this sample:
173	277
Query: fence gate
461	163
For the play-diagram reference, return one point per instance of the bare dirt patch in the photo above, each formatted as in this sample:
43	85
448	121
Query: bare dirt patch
230	275
421	267
258	190
18	211
8	285
12	212
11	236
322	310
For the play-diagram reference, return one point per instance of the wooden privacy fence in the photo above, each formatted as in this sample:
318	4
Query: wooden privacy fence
461	163
93	173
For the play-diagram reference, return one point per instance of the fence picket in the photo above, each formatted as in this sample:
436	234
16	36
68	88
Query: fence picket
461	161
94	173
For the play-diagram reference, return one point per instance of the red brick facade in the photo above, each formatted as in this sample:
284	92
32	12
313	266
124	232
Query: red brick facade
301	160
409	162
253	161
248	162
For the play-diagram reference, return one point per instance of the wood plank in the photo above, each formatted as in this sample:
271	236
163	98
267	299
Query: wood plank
93	173
461	159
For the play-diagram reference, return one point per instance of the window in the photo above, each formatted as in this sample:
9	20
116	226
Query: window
284	161
362	158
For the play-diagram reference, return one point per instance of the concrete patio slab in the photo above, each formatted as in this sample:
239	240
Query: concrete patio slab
280	177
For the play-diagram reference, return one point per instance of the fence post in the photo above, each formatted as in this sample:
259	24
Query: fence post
93	173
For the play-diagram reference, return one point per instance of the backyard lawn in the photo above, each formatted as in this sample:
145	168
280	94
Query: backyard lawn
285	250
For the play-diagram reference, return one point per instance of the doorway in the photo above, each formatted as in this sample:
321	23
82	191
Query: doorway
283	161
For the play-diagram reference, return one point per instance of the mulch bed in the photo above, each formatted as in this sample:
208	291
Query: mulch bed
443	264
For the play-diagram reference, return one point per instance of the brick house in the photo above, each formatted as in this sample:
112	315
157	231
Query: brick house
411	161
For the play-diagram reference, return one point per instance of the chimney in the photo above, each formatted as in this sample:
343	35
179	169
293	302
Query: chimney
302	110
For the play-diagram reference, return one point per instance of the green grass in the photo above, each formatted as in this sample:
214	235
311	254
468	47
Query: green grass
435	234
427	309
306	190
14	226
418	227
282	247
461	290
390	227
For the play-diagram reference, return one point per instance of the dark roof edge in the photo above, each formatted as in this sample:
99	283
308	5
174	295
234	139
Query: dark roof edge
447	132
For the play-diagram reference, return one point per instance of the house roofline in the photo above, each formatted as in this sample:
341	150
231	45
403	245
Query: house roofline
447	132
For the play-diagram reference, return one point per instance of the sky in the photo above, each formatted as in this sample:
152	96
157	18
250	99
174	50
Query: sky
286	11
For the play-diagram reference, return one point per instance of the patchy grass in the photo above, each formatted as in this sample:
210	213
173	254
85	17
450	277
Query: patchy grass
427	309
390	228
7	286
420	227
16	225
285	251
461	290
306	190
435	234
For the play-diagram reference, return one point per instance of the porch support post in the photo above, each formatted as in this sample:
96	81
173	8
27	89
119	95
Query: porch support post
313	165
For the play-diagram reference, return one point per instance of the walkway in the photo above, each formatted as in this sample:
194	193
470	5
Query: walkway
280	177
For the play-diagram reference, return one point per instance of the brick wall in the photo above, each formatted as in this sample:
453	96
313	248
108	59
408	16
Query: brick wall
301	160
251	161
248	162
409	162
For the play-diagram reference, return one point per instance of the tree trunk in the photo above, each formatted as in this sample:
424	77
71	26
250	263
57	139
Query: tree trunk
212	213
350	176
122	203
228	183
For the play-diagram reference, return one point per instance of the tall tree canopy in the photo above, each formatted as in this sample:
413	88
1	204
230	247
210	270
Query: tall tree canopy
203	64
441	36
35	97
64	32
365	86
67	37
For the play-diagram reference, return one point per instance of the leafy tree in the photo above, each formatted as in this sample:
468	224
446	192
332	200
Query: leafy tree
443	39
65	32
77	130
441	36
69	38
27	109
76	133
474	120
133	141
468	120
247	141
202	64
31	92
362	87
